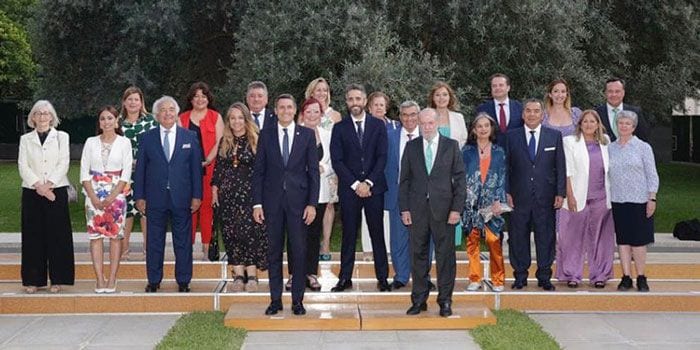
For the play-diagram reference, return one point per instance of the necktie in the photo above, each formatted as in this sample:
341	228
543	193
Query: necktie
257	119
532	146
429	157
613	125
360	132
285	146
166	145
502	118
410	137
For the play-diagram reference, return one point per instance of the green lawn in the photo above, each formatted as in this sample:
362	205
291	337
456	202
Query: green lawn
513	330
677	198
202	330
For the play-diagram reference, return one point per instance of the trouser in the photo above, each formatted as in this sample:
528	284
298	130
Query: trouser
495	256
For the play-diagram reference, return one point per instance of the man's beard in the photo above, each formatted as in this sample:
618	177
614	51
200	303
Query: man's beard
356	111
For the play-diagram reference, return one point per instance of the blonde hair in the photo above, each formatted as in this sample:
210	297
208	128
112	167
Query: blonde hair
128	92
312	86
548	103
251	130
599	134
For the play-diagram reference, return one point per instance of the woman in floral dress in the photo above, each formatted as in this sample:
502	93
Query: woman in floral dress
105	171
246	241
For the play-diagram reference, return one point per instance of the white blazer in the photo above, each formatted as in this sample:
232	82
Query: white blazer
120	158
43	163
577	169
324	194
458	128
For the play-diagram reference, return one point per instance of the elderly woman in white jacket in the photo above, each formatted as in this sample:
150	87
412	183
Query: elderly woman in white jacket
586	227
47	237
105	171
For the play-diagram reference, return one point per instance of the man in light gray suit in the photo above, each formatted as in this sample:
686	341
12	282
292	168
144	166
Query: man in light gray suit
432	191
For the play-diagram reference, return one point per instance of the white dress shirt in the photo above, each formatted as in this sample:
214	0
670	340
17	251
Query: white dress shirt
611	116
290	131
538	130
261	118
171	138
506	108
362	122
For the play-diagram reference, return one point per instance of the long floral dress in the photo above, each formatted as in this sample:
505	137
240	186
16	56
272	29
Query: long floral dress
132	132
245	240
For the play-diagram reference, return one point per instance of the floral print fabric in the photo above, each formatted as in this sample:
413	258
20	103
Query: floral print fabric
108	222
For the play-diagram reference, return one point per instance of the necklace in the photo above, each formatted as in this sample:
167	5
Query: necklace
482	149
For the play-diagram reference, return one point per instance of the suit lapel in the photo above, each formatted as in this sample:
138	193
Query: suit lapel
353	132
295	143
274	135
179	140
540	143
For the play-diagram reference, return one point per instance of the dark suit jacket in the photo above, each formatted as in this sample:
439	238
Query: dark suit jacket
442	191
516	117
537	182
354	162
271	178
154	174
642	130
391	171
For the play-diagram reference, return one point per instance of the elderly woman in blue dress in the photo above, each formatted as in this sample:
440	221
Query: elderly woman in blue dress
633	186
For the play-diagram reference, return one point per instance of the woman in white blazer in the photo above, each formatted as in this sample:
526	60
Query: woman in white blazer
47	237
105	171
586	227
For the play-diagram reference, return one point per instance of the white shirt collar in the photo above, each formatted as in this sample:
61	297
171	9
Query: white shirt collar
361	119
173	129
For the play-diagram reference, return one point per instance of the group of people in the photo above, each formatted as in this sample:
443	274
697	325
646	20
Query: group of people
420	183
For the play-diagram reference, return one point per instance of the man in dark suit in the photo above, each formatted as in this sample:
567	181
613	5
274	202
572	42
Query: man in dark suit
505	111
256	99
358	152
535	188
432	191
285	194
614	95
399	239
168	188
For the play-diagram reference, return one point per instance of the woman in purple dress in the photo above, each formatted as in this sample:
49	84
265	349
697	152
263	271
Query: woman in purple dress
558	113
586	227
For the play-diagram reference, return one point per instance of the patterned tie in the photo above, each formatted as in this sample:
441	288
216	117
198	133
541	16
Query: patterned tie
531	146
360	132
257	119
285	147
613	125
502	118
166	144
429	157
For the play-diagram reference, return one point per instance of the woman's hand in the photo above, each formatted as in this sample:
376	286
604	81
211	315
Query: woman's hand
96	202
321	169
651	208
571	202
496	208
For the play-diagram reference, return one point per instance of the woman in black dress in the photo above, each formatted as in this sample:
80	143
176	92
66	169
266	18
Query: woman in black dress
246	242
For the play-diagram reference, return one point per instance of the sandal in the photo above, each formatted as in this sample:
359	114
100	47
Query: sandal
30	289
572	284
599	284
252	284
312	283
125	255
238	284
55	289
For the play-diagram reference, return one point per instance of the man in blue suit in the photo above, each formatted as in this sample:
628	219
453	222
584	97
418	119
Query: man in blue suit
285	188
168	188
358	153
535	188
505	111
256	99
399	239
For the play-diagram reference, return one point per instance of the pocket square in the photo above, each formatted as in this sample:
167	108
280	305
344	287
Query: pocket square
549	149
187	145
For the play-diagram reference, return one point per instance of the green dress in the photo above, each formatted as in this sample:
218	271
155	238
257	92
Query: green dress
132	131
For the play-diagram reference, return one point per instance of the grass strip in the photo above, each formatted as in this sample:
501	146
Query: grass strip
513	330
202	330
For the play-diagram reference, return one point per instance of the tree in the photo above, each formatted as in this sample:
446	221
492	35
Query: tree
17	67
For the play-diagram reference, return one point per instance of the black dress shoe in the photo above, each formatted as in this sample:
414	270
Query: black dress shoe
445	309
519	284
548	286
416	308
152	287
432	286
383	286
273	308
342	285
625	283
183	287
395	285
298	309
642	284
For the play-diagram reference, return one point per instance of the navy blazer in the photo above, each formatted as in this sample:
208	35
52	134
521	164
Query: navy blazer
516	117
354	162
391	170
642	129
299	179
537	182
155	175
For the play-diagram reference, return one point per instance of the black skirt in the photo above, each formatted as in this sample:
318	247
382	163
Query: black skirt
632	227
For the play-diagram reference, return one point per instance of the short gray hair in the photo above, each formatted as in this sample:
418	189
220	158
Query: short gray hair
433	111
409	104
160	101
43	104
629	115
256	85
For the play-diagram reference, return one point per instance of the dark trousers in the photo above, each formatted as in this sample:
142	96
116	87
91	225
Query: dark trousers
290	220
47	239
350	207
443	235
181	223
522	220
313	243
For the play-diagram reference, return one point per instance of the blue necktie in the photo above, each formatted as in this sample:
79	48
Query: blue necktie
166	145
257	120
531	146
360	132
285	147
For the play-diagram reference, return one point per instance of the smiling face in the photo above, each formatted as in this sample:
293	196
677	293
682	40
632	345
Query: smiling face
166	114
321	92
428	123
236	121
409	118
356	100
42	119
625	127
558	94
589	125
377	107
441	98
311	115
108	122
256	99
499	88
614	93
285	110
483	129
532	114
199	101
133	104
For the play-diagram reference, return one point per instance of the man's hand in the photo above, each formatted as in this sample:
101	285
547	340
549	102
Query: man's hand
258	215
558	201
453	219
141	205
406	218
196	202
309	214
363	190
509	199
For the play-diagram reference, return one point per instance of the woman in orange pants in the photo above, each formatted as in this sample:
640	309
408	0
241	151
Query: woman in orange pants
486	170
200	117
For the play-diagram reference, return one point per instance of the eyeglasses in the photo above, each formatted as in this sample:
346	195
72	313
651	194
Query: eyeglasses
414	114
44	113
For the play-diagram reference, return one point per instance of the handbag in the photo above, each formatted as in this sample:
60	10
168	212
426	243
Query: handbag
72	194
216	229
